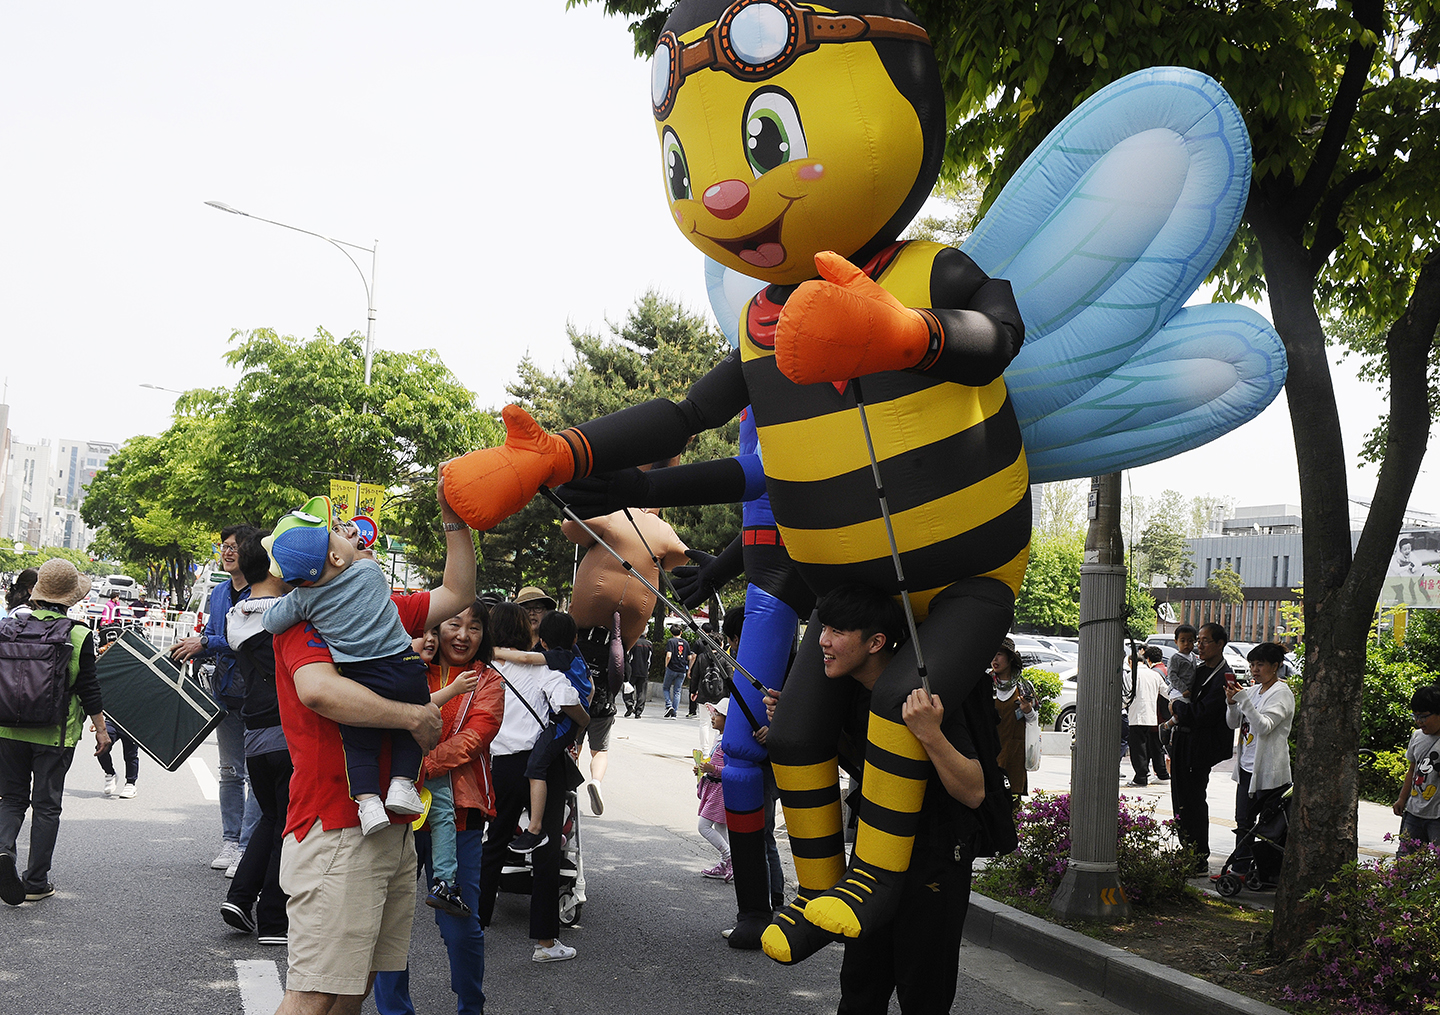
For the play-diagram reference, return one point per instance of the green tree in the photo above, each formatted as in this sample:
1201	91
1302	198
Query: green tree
1340	101
1164	551
124	502
1225	582
1139	610
659	351
1049	599
299	416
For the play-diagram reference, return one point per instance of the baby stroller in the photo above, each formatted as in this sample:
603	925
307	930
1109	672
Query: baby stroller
516	871
1264	842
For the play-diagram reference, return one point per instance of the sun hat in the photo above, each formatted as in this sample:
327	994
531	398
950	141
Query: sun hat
60	583
1008	647
722	706
530	594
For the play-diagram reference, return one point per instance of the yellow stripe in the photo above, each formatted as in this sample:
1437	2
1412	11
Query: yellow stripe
881	849
819	875
813	822
1011	573
896	738
821	447
798	778
897	792
919	527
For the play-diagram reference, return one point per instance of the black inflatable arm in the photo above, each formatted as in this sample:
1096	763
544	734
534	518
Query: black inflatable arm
980	330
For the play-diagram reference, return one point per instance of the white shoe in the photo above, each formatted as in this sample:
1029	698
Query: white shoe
230	871
127	792
228	855
112	783
373	817
597	802
555	953
403	799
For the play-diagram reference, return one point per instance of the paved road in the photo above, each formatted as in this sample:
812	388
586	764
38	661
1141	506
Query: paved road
134	928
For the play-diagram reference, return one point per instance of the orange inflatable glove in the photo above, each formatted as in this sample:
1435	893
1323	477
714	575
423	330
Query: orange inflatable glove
487	486
846	325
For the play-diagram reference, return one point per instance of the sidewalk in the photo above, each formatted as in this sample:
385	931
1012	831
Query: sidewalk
1375	821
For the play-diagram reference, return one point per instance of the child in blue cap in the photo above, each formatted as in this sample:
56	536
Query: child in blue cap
346	598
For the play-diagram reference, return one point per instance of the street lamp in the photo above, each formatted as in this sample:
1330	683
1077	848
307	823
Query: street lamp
339	245
369	284
156	387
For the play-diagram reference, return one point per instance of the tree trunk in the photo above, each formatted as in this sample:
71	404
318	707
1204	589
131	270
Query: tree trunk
1341	590
1323	810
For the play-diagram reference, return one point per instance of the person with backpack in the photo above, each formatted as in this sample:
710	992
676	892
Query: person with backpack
47	688
707	676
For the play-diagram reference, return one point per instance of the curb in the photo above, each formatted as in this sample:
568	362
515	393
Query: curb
1112	973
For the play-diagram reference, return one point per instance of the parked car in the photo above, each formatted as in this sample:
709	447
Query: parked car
1235	652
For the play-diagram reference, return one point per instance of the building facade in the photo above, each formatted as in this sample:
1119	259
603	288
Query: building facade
1263	545
44	486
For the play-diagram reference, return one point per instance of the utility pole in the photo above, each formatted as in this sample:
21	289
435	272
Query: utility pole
1090	889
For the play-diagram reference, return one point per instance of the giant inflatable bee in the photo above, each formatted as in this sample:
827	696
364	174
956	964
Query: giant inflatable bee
798	139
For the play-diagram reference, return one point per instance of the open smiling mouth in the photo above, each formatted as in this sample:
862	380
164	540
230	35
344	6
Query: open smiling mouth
761	248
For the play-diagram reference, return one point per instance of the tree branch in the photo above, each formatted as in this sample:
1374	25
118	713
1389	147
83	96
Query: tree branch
1328	234
1303	200
1408	345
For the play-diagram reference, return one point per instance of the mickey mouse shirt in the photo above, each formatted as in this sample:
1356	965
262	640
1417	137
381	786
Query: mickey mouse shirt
1424	754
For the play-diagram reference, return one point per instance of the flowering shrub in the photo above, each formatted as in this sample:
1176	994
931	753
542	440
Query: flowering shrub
1152	862
1378	950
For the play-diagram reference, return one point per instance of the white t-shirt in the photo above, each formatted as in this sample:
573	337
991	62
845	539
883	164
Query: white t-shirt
1247	735
545	690
1424	754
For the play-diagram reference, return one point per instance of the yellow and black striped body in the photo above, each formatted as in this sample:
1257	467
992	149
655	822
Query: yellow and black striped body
950	456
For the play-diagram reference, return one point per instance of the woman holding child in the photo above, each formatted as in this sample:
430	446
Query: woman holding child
460	764
533	693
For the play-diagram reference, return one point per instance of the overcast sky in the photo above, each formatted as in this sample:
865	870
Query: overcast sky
503	155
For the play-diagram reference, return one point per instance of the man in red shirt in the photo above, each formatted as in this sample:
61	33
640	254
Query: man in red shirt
352	896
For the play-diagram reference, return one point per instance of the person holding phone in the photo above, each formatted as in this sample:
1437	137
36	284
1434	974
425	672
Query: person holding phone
1014	709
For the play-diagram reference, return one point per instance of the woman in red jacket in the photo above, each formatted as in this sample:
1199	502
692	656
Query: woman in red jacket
470	722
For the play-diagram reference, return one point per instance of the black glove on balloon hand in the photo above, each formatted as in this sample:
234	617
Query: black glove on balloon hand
695	582
607	492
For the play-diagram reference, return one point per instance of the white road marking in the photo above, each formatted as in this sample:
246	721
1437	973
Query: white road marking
209	785
260	990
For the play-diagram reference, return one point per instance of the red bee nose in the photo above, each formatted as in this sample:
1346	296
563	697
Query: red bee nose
727	199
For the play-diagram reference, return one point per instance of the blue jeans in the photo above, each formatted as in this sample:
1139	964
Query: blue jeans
239	811
464	937
1412	826
441	821
674	689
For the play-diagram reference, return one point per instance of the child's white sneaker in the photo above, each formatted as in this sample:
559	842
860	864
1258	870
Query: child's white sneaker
372	815
555	953
403	799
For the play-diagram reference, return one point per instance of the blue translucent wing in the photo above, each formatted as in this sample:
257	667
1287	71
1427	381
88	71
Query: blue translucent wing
1210	369
1104	233
729	292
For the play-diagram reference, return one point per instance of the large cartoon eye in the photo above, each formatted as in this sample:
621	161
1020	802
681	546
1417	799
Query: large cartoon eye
773	135
677	171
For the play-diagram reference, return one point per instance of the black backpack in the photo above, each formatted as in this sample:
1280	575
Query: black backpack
712	681
35	671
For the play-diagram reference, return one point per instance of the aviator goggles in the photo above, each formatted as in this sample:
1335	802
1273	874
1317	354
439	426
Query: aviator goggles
755	39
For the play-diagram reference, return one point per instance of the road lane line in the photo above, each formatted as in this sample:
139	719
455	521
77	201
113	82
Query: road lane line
209	786
260	990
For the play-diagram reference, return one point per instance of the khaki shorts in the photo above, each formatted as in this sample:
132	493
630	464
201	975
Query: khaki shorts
352	904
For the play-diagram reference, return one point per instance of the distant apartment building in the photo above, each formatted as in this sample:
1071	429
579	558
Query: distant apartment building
44	486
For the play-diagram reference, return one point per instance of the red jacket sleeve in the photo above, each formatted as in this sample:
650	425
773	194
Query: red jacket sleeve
481	723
